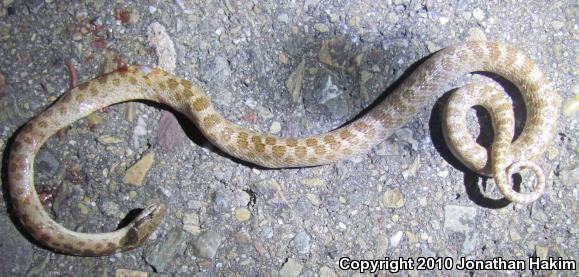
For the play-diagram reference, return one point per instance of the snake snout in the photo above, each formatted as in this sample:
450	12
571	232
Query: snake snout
143	225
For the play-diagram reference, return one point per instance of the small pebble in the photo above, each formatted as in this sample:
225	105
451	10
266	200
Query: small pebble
315	182
557	25
129	273
301	242
291	268
191	223
475	34
275	127
242	214
393	199
111	208
478	14
396	239
135	175
206	244
108	139
283	58
322	28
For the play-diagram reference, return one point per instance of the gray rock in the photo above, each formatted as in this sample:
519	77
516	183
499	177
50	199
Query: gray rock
304	207
206	244
283	18
459	218
356	198
20	257
266	232
393	199
295	81
570	176
291	268
111	208
160	255
34	5
194	204
301	243
221	201
330	96
405	135
220	71
46	165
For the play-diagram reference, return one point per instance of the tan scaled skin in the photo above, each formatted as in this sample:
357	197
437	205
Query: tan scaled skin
420	89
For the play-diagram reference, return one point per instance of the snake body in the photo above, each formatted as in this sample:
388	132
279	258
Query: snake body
427	82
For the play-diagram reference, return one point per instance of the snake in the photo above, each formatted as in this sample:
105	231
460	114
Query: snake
433	77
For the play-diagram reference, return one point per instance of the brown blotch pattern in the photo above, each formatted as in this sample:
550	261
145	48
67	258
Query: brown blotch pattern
16	146
200	104
123	71
162	86
116	82
111	245
178	97
408	93
132	80
227	133
103	79
361	127
79	97
292	142
462	55
186	83
270	141
331	141
345	134
148	81
495	52
18	163
311	142
172	83
256	139
511	55
42	124
259	147
211	120
187	93
242	140
83	86
93	91
61	109
527	67
16	176
257	144
533	86
319	149
66	98
278	151
301	151
476	49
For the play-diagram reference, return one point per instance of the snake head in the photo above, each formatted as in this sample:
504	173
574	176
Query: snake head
143	226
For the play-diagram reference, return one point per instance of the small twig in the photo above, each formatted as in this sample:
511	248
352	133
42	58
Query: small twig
73	79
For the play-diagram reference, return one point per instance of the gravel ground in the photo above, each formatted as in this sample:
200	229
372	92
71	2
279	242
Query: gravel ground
294	68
